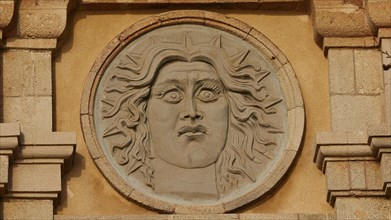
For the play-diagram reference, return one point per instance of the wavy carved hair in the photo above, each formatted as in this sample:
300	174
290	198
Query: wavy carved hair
130	85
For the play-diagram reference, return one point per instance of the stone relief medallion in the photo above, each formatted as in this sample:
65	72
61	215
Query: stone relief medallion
191	111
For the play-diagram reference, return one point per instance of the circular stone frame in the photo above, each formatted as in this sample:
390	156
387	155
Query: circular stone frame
285	75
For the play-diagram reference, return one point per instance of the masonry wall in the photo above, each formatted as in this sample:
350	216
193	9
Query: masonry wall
340	51
88	193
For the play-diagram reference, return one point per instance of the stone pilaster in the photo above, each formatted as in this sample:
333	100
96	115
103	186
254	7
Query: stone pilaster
354	156
38	163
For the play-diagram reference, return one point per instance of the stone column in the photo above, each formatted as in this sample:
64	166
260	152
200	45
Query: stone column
27	98
354	155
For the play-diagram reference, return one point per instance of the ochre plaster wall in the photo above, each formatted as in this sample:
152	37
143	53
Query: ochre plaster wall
88	193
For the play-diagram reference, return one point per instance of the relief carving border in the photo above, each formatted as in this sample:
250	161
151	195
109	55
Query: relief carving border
288	82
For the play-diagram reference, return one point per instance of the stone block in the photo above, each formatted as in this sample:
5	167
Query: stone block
41	23
358	137
4	165
16	209
349	42
363	208
41	44
205	210
357	175
6	12
379	12
368	71
337	176
387	105
386	50
335	138
316	216
385	168
36	178
27	73
42	4
341	71
373	177
206	217
9	129
33	113
8	143
56	138
352	113
340	19
268	216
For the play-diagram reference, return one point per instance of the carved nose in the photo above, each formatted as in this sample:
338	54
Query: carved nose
190	111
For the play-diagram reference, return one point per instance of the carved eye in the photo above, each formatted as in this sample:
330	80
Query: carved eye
208	95
173	96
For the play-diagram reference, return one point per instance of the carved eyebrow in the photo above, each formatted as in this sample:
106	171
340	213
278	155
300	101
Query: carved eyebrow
211	84
167	85
170	82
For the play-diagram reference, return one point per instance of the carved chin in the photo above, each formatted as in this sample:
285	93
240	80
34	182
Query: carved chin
193	155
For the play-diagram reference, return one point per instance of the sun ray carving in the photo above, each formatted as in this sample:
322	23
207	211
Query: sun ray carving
238	58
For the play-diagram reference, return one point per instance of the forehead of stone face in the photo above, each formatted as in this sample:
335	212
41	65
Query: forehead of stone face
188	71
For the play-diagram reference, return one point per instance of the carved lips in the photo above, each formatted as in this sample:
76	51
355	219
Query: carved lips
192	131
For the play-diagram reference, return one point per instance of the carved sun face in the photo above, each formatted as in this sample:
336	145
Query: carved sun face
188	115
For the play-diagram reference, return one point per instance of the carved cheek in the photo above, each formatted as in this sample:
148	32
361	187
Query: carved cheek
163	112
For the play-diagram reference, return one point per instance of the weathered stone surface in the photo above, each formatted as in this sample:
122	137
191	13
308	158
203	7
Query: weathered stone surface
379	12
4	164
41	23
341	71
340	19
385	168
9	129
386	54
54	138
357	175
268	216
20	43
337	174
15	209
363	208
316	216
33	113
349	42
43	4
115	217
373	176
27	73
6	13
36	178
351	113
368	72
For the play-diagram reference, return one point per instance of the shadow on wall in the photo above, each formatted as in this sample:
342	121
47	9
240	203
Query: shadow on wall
80	162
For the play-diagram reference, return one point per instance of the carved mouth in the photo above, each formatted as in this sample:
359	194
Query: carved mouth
192	131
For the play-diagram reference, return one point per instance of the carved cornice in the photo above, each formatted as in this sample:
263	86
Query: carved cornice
355	164
379	12
37	24
9	135
343	23
55	145
172	4
6	12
